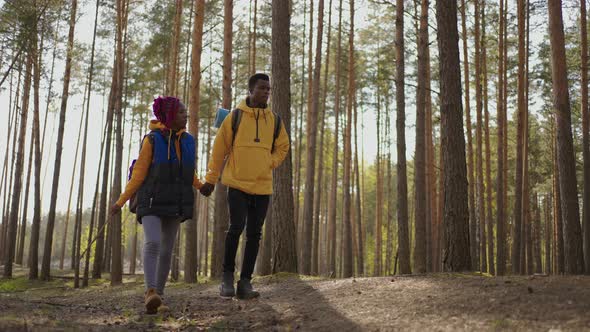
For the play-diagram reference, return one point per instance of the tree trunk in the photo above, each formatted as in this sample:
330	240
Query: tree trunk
348	267
10	245
470	166
519	211
585	133
191	245
317	204
487	226
557	211
455	209
23	227
221	210
500	189
334	180
547	232
102	205
71	192
360	266
253	59
432	243
263	263
402	180
35	226
312	128
573	252
284	252
537	237
171	88
79	212
299	137
420	206
45	274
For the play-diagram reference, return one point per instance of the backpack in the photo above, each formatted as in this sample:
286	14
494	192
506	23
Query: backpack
133	198
235	123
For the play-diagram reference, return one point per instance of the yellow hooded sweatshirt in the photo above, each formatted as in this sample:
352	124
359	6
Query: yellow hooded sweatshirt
251	160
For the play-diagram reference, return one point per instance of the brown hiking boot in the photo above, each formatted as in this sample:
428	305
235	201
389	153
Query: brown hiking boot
152	301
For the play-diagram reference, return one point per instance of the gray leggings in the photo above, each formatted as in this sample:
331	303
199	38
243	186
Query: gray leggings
159	235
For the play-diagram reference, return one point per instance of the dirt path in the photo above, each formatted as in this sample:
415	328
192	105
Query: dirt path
431	302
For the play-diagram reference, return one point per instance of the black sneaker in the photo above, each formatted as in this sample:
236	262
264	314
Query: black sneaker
226	289
245	290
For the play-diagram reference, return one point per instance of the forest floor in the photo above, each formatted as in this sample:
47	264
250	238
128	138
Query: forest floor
438	302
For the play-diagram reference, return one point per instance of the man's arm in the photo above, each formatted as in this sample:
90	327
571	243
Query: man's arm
281	148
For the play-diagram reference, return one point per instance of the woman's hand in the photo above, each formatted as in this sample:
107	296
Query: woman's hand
115	209
206	189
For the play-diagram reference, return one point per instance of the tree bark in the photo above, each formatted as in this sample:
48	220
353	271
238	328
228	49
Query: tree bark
312	128
455	209
573	252
585	133
420	206
36	224
348	267
191	245
470	166
334	180
10	245
45	274
402	180
221	209
500	189
488	226
284	251
171	88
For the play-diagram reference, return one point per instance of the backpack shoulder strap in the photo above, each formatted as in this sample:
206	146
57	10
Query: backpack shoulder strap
277	130
235	123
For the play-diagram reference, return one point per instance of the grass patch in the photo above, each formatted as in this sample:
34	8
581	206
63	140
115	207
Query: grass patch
22	284
500	324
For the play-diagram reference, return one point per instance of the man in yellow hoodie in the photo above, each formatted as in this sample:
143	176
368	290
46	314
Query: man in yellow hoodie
250	154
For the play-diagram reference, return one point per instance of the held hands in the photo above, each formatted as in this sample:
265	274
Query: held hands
115	209
206	189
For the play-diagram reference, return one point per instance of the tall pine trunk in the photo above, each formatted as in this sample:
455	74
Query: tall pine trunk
470	166
45	267
33	256
334	180
402	180
348	267
10	245
585	133
312	128
488	226
318	202
191	245
284	254
500	189
572	239
221	210
455	208
172	86
420	206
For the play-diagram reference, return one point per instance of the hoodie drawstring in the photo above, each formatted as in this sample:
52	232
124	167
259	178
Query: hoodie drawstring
257	139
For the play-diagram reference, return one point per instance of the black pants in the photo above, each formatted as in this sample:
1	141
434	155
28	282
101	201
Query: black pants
244	210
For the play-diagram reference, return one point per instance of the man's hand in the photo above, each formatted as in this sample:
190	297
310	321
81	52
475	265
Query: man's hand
115	209
207	189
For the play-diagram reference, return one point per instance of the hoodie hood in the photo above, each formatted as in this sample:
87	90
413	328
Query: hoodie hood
157	125
243	105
